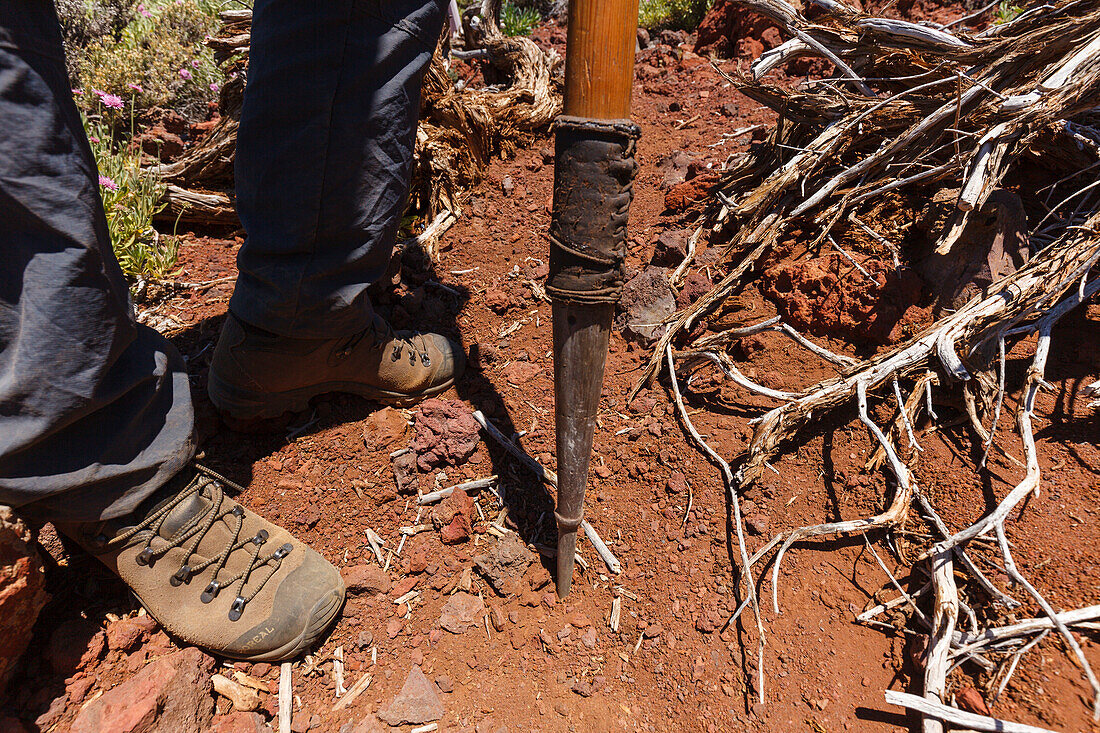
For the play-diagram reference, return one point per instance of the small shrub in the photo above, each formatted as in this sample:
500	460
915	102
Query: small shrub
158	59
1006	11
518	20
672	14
131	197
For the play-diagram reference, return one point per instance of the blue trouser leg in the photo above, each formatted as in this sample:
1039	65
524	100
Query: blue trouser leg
95	409
324	153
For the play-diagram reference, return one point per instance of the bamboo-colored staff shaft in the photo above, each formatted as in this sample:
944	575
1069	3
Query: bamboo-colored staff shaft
599	61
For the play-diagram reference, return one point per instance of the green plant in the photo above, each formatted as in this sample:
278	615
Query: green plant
1006	11
517	20
131	198
159	58
671	14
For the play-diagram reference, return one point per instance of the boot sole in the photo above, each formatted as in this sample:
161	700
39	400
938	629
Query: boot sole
245	409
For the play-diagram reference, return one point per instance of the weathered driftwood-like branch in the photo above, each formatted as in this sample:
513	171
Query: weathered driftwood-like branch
959	718
946	612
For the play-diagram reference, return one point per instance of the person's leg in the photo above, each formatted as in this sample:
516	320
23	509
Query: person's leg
324	154
95	409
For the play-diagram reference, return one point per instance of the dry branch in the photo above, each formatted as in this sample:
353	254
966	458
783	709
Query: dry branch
913	114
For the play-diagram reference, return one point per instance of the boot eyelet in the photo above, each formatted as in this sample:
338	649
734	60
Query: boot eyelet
145	557
282	551
183	575
237	608
211	592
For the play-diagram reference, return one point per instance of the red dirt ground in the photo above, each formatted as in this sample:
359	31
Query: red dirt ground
822	671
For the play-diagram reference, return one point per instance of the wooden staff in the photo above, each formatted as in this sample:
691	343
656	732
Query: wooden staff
593	175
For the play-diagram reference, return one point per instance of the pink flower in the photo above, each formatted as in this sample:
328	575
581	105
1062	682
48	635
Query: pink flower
195	63
108	183
185	73
145	13
136	88
213	87
109	100
78	92
93	139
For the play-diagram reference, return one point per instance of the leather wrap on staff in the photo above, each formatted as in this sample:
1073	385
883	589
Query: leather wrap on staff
593	186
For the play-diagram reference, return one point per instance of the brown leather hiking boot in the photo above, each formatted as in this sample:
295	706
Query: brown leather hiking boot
256	375
215	575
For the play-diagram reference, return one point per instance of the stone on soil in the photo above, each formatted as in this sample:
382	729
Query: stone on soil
365	579
463	611
127	633
417	703
646	301
385	428
674	168
454	517
446	434
239	722
22	590
170	694
505	563
670	248
404	473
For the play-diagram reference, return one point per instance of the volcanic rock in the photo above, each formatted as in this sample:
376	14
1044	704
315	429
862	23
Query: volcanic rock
127	633
74	645
365	579
463	611
22	590
446	434
239	722
670	248
170	694
646	301
417	703
454	517
505	563
385	428
674	168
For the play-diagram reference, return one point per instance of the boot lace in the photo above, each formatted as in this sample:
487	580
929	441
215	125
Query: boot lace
381	334
191	535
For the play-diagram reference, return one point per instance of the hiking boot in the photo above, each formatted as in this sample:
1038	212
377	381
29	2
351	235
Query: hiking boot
217	576
257	375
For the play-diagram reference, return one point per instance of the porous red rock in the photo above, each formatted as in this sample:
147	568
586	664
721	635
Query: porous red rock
446	434
827	296
22	590
170	694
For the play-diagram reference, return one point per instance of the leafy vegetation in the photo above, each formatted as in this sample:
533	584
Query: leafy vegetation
131	197
518	20
1006	11
150	51
671	14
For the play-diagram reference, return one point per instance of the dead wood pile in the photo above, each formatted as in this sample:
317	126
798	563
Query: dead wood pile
914	114
462	127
